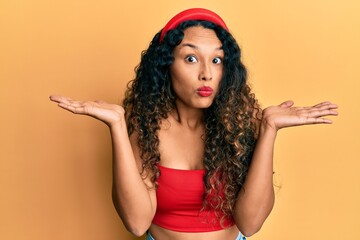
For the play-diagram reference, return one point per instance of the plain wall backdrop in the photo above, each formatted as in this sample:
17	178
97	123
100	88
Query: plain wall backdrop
55	167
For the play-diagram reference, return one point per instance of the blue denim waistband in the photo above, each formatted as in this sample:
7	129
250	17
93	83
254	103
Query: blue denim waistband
239	237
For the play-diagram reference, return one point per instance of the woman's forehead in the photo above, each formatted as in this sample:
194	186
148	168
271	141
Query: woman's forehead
198	36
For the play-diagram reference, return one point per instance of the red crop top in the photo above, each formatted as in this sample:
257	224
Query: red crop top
179	201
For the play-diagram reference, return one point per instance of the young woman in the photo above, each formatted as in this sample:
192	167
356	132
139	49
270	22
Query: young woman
192	150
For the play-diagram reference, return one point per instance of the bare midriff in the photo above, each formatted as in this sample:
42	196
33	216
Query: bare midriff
164	234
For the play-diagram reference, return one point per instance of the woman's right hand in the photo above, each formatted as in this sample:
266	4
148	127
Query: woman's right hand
108	113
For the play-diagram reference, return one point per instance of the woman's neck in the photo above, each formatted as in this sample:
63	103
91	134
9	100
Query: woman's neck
188	117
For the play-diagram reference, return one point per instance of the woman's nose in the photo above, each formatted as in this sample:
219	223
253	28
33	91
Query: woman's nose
205	72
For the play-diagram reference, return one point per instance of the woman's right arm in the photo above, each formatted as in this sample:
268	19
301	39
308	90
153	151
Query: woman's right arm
134	197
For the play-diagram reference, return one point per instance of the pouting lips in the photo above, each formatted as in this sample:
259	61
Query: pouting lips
204	91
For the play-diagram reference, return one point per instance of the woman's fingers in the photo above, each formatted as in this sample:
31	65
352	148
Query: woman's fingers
71	105
325	105
286	104
64	100
56	98
326	108
286	115
322	104
323	109
101	110
317	113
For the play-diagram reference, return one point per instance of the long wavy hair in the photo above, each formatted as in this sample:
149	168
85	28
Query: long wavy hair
231	122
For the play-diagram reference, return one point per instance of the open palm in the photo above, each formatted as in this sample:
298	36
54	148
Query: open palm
285	115
103	111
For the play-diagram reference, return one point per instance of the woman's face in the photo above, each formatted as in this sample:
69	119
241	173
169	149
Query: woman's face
197	68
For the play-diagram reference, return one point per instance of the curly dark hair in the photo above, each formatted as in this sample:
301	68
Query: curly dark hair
231	122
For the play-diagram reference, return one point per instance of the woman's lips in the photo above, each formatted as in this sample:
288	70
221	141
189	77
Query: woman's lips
204	91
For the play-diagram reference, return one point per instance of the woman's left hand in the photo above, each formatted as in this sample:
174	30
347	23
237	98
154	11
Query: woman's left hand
285	115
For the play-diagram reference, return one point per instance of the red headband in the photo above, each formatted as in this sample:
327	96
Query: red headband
193	14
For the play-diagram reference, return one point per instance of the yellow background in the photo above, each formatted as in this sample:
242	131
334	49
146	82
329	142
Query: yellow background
55	178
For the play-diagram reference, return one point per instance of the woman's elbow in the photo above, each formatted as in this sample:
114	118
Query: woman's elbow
135	227
250	228
137	231
249	231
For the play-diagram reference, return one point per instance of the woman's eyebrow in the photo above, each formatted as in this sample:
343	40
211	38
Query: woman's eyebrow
189	45
196	47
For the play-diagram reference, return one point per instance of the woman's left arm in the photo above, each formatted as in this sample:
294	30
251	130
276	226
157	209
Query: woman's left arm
256	199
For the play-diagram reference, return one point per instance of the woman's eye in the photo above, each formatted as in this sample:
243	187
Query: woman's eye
191	59
217	60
